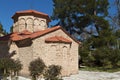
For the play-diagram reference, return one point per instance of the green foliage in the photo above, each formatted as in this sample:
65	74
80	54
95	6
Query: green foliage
118	12
80	14
98	50
17	66
9	65
117	33
101	50
11	29
114	57
100	57
2	31
100	69
36	68
52	73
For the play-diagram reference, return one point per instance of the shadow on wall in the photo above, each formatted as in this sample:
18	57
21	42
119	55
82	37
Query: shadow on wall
4	50
4	53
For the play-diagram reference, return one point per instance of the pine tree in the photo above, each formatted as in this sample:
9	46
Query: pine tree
79	14
76	16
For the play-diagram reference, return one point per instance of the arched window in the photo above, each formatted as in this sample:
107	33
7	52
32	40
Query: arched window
29	21
21	24
21	21
36	24
43	24
29	24
64	52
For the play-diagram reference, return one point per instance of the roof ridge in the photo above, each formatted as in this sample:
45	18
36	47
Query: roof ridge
44	32
30	10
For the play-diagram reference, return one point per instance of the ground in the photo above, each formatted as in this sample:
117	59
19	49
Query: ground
89	75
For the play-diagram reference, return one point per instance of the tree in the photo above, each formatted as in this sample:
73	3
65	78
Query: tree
36	68
116	18
75	15
9	66
2	31
88	16
16	67
115	21
53	73
11	29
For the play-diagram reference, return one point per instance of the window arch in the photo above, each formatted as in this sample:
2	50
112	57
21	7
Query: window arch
29	24
36	22
64	51
21	24
21	21
29	21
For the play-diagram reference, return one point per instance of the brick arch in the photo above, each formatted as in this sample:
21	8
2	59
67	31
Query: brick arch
21	24
53	53
43	22
29	24
29	21
65	62
64	51
36	22
37	25
21	21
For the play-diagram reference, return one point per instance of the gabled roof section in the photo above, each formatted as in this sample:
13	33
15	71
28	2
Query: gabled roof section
31	12
26	34
57	39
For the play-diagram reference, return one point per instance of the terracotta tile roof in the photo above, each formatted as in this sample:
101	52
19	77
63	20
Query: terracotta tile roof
26	34
41	33
31	12
58	39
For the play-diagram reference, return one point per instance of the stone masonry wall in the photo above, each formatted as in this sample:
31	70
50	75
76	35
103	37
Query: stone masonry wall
29	23
25	56
62	54
4	48
14	47
65	55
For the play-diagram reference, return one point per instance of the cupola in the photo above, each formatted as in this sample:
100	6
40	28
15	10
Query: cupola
30	20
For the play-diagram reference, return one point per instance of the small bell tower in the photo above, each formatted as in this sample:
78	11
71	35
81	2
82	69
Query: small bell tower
30	20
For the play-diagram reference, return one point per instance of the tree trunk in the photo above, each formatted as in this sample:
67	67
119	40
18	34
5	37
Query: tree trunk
4	75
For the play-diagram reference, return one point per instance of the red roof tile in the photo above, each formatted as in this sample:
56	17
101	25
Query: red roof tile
40	33
26	34
31	12
58	39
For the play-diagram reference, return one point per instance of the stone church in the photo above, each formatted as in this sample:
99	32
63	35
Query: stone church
31	38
